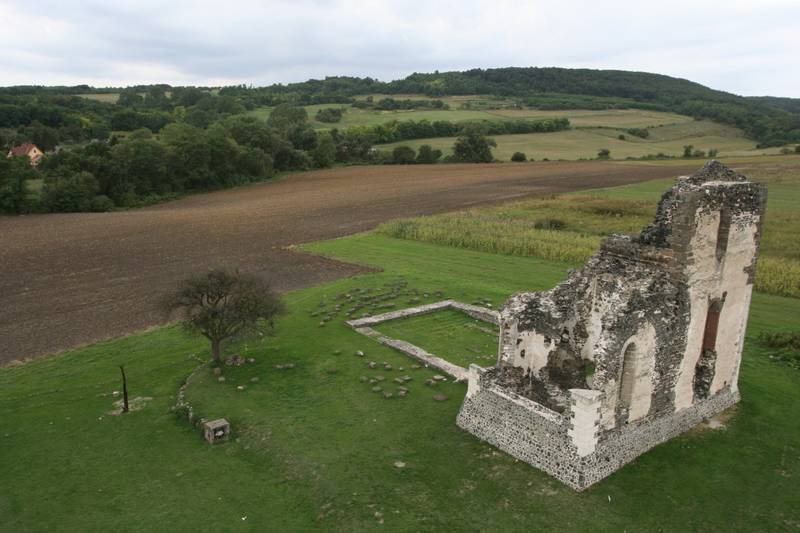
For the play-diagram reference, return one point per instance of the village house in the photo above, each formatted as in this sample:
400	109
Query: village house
27	149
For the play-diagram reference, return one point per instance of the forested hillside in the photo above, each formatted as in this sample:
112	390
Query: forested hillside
771	121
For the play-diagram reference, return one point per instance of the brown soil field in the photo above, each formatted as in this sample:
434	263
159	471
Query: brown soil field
73	279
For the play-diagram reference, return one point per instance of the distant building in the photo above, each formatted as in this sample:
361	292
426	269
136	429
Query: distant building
27	149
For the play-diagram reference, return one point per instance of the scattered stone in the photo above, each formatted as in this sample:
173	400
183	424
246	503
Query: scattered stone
431	383
373	381
439	377
387	395
360	353
254	379
337	352
251	360
399	464
415	367
115	393
288	365
372	364
241	387
235	360
406	379
379	378
440	397
377	388
402	392
217	371
399	381
387	366
363	379
221	379
322	324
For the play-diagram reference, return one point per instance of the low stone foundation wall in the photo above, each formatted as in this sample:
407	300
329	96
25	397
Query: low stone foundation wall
362	326
541	437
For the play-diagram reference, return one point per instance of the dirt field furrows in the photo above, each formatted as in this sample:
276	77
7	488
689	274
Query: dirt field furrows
72	279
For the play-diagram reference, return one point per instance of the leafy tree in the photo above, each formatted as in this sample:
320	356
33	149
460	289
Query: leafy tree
292	122
797	149
69	194
687	150
428	155
519	157
472	146
325	152
329	114
224	305
403	155
14	171
604	153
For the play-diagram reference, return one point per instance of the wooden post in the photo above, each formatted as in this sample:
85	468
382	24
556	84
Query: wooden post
124	390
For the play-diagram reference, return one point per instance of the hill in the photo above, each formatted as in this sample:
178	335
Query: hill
771	121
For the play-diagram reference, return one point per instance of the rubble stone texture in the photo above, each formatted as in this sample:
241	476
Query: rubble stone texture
639	345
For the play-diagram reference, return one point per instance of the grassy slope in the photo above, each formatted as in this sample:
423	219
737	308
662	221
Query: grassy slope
594	129
589	215
585	143
316	449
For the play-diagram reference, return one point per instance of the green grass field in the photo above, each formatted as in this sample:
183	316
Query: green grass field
526	227
315	449
584	143
449	334
613	118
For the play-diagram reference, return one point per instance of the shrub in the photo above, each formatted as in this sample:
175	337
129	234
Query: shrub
621	137
554	224
403	155
639	132
329	115
782	345
427	155
604	153
519	157
101	203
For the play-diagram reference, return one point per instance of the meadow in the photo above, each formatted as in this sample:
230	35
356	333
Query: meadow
592	130
314	448
570	227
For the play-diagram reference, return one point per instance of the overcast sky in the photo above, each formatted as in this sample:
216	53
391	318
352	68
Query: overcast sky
749	47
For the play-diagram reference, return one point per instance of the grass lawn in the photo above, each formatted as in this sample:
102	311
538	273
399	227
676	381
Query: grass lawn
315	448
449	334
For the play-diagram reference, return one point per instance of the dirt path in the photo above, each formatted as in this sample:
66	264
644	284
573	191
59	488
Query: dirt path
71	279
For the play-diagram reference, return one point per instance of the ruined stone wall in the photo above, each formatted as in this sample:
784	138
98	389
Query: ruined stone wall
542	438
643	341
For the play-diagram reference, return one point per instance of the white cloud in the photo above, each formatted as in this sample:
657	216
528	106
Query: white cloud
735	45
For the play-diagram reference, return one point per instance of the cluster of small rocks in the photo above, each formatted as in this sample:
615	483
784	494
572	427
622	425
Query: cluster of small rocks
238	360
401	390
284	366
483	302
364	302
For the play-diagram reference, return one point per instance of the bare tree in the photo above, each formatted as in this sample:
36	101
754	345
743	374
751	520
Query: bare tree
224	305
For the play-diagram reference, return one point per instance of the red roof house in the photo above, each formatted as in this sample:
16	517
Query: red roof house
27	149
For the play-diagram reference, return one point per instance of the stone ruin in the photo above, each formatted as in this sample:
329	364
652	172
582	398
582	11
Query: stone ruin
638	346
